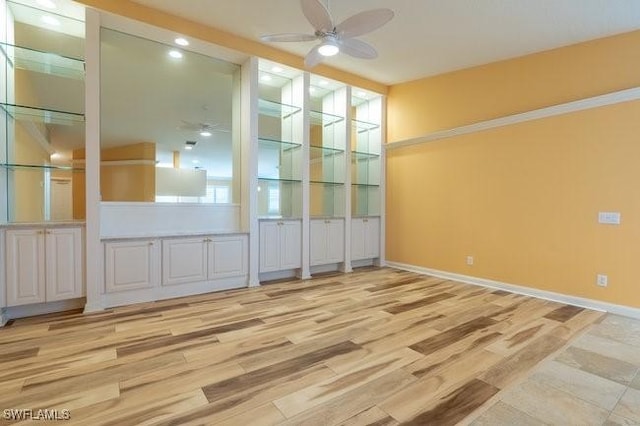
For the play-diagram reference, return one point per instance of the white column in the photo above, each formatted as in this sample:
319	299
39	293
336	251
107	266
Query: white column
94	267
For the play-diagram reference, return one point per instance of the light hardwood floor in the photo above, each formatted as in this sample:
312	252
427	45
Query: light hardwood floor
378	346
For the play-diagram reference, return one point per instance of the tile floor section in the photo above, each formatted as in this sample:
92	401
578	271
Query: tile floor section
595	380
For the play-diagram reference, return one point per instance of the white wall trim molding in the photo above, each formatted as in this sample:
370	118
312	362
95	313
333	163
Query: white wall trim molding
536	114
527	291
24	311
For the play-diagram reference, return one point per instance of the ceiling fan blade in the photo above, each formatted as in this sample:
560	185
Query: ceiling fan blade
313	58
317	15
357	48
364	22
288	37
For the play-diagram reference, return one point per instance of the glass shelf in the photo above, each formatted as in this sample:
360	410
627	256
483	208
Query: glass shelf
43	62
366	185
321	151
322	182
276	109
42	167
267	179
357	155
41	115
364	126
324	118
277	144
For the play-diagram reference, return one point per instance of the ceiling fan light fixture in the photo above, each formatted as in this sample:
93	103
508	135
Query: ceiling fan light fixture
328	49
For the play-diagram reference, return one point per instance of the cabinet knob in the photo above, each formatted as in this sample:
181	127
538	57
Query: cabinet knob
280	223
150	243
40	232
47	232
327	221
365	220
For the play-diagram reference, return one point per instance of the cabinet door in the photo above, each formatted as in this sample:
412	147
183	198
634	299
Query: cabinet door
64	264
357	239
318	238
372	237
25	267
335	241
130	265
228	257
290	245
184	260
269	246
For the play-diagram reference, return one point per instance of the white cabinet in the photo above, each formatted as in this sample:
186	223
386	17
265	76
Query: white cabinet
227	257
280	245
187	260
327	241
131	265
64	260
43	265
184	260
365	238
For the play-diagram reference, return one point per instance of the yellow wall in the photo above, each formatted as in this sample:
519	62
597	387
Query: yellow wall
513	86
522	199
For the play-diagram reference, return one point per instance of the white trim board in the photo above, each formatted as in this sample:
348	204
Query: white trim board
627	95
527	291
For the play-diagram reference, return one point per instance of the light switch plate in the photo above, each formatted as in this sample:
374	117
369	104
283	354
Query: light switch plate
610	218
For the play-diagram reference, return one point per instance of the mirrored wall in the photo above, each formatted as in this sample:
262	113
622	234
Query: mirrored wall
169	130
41	109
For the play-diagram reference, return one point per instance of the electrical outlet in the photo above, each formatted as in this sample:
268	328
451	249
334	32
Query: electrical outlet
611	218
602	280
469	260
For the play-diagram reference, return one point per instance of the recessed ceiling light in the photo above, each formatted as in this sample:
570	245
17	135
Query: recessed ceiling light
47	3
205	133
265	77
277	69
181	41
188	147
50	20
323	83
195	161
175	54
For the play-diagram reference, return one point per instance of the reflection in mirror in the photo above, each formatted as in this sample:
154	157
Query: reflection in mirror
168	130
41	109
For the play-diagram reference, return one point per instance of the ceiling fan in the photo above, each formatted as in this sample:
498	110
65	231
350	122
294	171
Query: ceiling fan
335	38
204	129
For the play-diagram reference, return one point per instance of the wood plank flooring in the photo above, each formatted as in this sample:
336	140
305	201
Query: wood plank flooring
378	346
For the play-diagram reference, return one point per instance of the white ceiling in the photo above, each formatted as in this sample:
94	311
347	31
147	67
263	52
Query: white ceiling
426	37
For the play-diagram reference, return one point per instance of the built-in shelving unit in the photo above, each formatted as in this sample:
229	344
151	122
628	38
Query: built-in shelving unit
328	142
366	144
280	139
41	106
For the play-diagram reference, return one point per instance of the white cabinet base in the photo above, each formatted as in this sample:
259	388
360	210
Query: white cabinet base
147	270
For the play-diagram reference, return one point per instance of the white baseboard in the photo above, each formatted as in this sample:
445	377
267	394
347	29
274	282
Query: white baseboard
24	311
3	318
92	307
527	291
